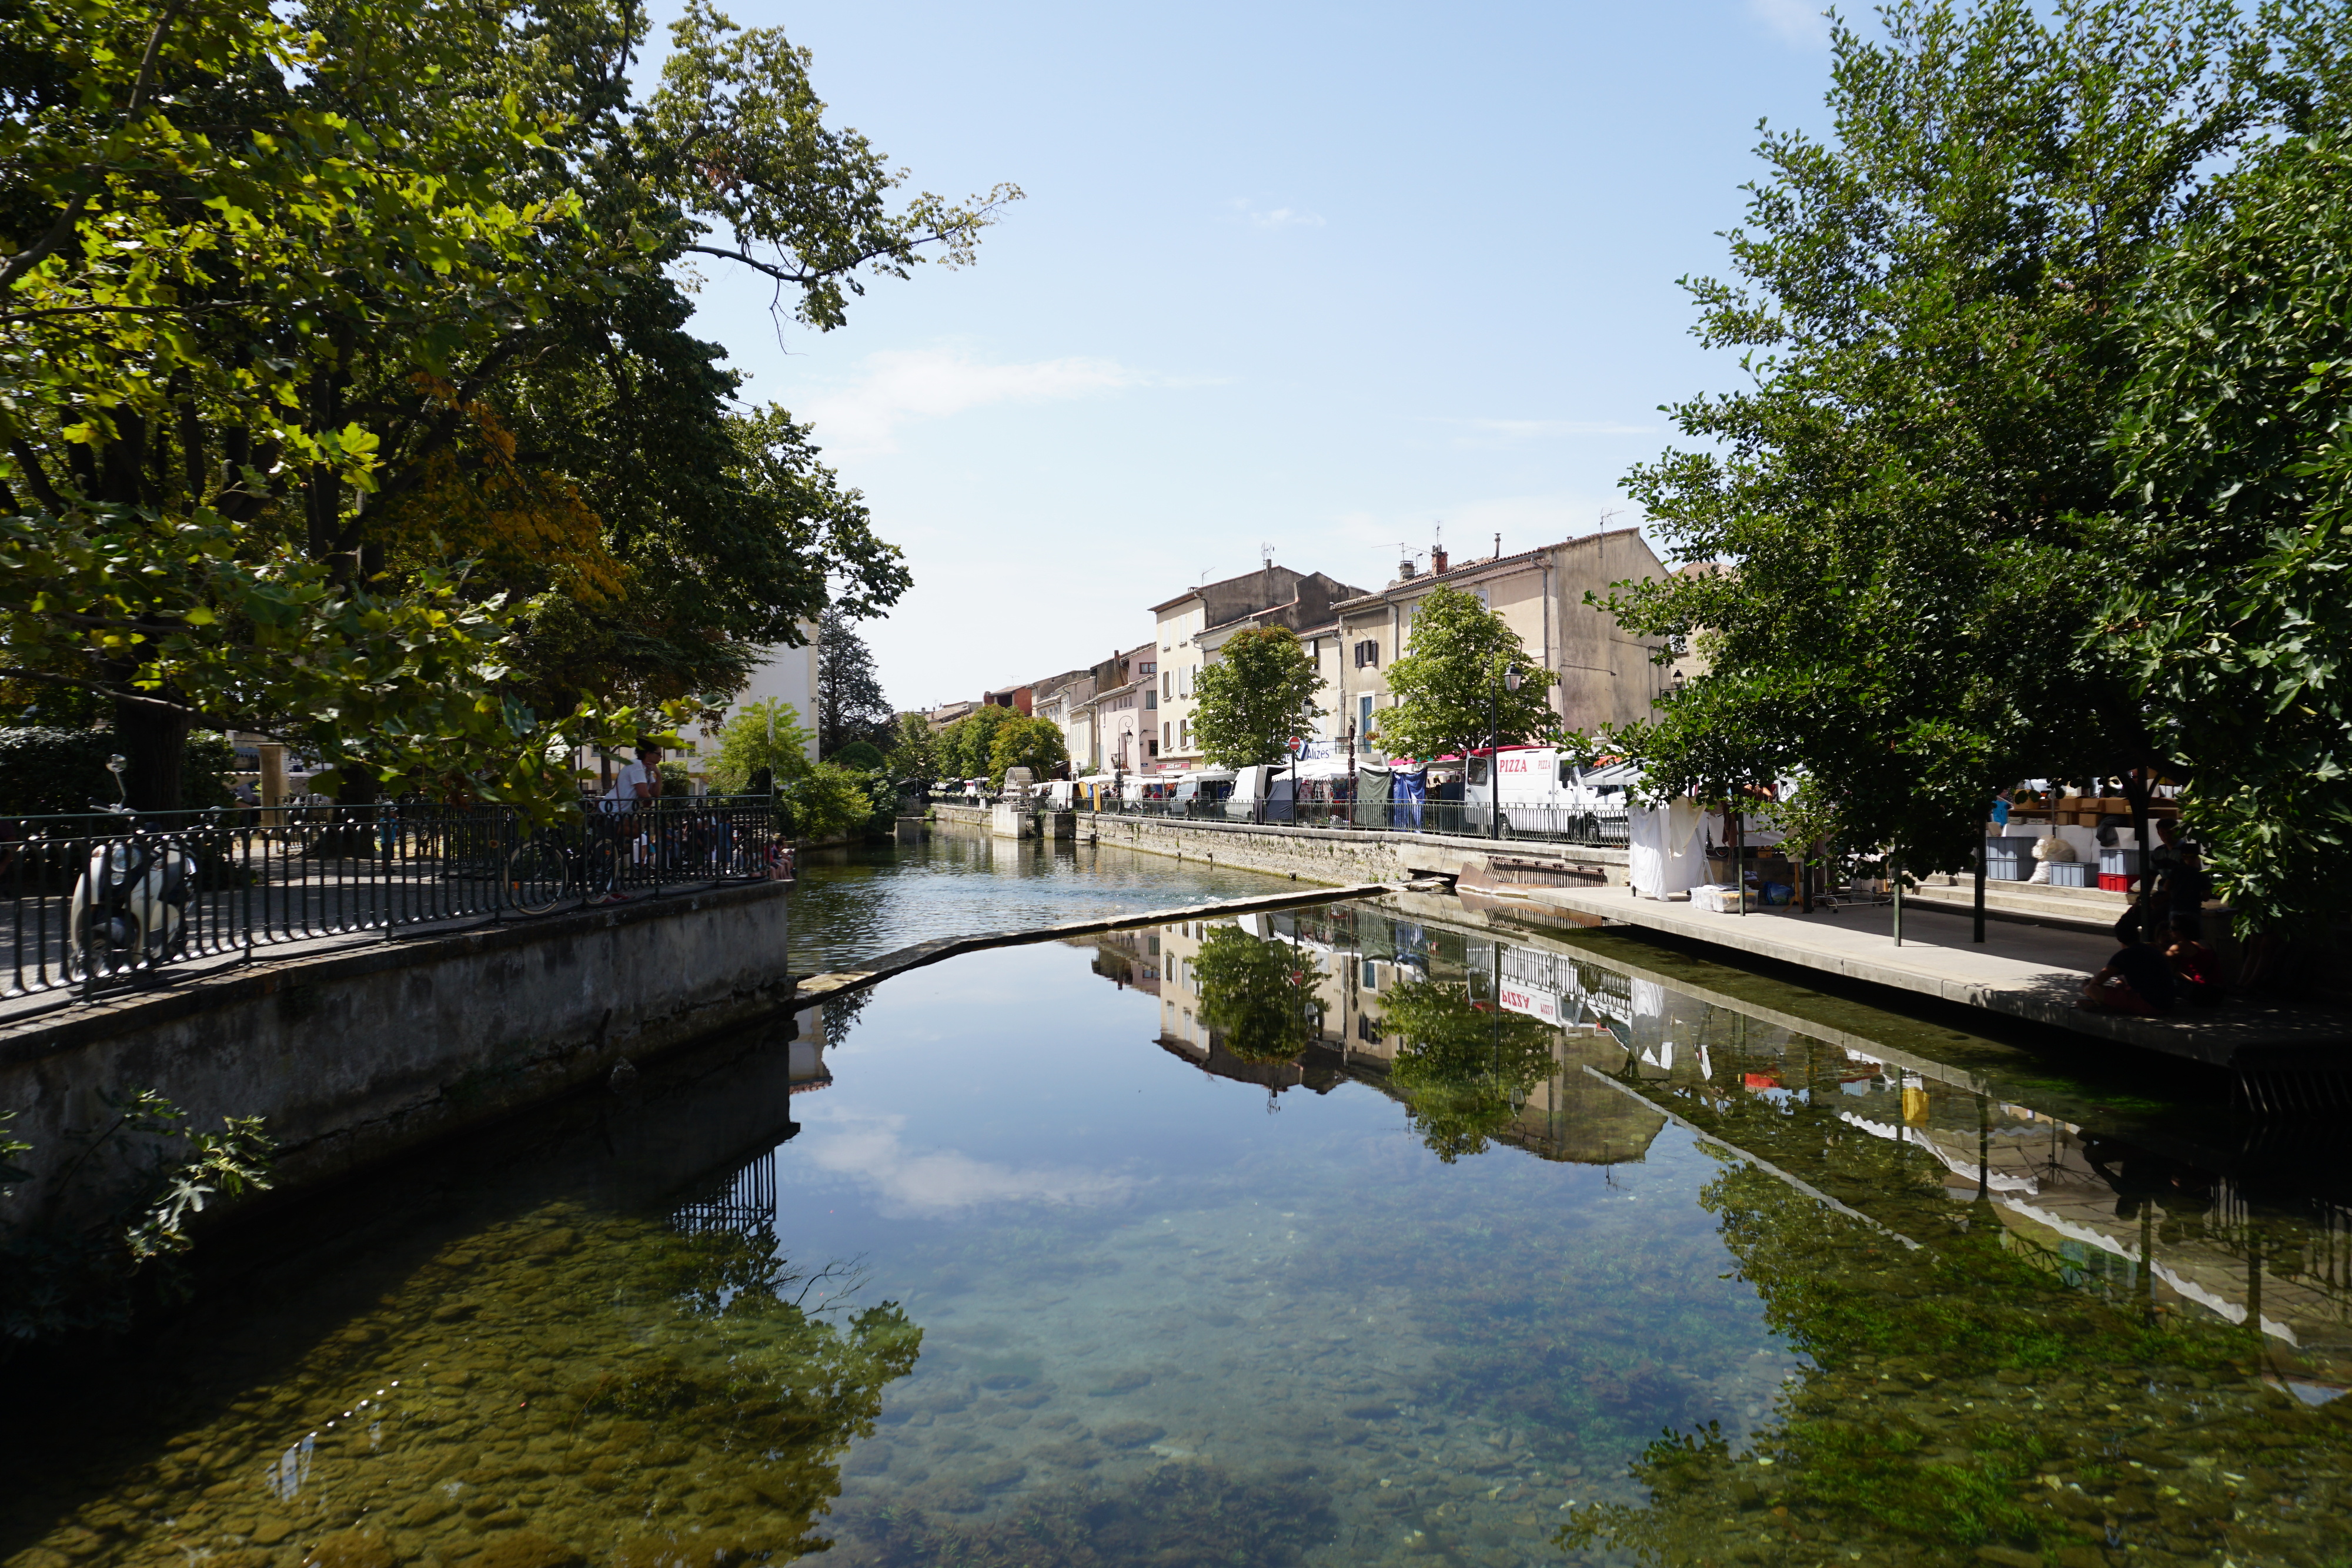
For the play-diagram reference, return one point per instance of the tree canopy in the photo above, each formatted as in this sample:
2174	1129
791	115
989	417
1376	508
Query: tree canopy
966	746
1988	324
1258	692
1449	685
2236	611
347	394
1036	744
850	706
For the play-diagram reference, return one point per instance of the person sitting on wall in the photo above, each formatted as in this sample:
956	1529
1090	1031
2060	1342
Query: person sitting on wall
2196	975
2136	981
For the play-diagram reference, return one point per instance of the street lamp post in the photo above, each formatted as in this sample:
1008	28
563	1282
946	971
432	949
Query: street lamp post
1509	681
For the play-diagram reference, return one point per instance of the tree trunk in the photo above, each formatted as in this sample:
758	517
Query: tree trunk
154	741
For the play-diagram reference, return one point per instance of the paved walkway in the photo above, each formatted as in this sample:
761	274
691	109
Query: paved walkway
2027	972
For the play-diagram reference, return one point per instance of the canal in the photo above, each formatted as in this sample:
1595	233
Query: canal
1377	1232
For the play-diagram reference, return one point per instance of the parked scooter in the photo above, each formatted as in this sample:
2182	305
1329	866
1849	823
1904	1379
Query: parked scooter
129	906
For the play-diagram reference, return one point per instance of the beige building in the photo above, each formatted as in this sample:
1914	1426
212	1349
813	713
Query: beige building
1188	628
1606	675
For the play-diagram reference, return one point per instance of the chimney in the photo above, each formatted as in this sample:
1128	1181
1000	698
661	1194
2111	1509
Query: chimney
1437	561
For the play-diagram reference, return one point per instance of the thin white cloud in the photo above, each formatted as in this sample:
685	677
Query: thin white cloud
868	1151
1250	212
897	387
1797	21
1481	432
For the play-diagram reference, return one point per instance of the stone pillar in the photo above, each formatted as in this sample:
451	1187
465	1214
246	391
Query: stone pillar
273	782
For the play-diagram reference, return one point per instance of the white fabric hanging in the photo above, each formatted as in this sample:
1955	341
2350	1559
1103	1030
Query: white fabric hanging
1663	853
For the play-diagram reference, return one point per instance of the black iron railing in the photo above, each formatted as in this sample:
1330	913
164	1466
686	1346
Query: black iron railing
107	896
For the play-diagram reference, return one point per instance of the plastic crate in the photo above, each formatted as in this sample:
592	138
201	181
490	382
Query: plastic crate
2070	873
2008	859
2115	881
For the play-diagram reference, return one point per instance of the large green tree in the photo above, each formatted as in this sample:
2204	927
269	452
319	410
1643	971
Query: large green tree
1036	744
850	706
346	393
1254	696
1451	693
915	754
1913	491
2236	605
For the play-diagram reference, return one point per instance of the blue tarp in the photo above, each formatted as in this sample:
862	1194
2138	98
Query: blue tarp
1407	791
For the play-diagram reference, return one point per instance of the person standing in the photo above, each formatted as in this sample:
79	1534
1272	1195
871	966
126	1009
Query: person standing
638	782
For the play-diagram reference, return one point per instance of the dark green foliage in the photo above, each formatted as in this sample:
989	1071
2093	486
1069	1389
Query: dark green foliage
966	746
1912	493
111	1213
48	772
1036	744
914	754
862	755
1259	995
850	707
206	762
2237	605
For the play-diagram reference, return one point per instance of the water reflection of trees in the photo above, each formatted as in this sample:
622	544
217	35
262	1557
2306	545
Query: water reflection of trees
1258	995
1464	1068
1970	1389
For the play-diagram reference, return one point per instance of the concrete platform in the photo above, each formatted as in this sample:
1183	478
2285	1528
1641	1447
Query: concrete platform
2025	972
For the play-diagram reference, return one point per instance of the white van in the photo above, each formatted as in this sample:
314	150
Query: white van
1543	791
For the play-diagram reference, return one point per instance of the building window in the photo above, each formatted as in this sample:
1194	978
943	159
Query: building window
1367	653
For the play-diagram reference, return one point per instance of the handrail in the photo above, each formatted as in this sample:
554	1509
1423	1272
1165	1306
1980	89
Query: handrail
95	900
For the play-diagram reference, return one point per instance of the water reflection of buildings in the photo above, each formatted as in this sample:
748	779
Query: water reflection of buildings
2099	1212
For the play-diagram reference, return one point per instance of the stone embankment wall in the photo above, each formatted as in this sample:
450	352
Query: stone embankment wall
356	1053
1337	856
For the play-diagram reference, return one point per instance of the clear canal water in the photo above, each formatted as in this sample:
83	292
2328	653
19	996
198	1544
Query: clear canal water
1374	1233
855	904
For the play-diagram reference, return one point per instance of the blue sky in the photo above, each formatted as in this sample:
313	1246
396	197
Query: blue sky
1314	276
